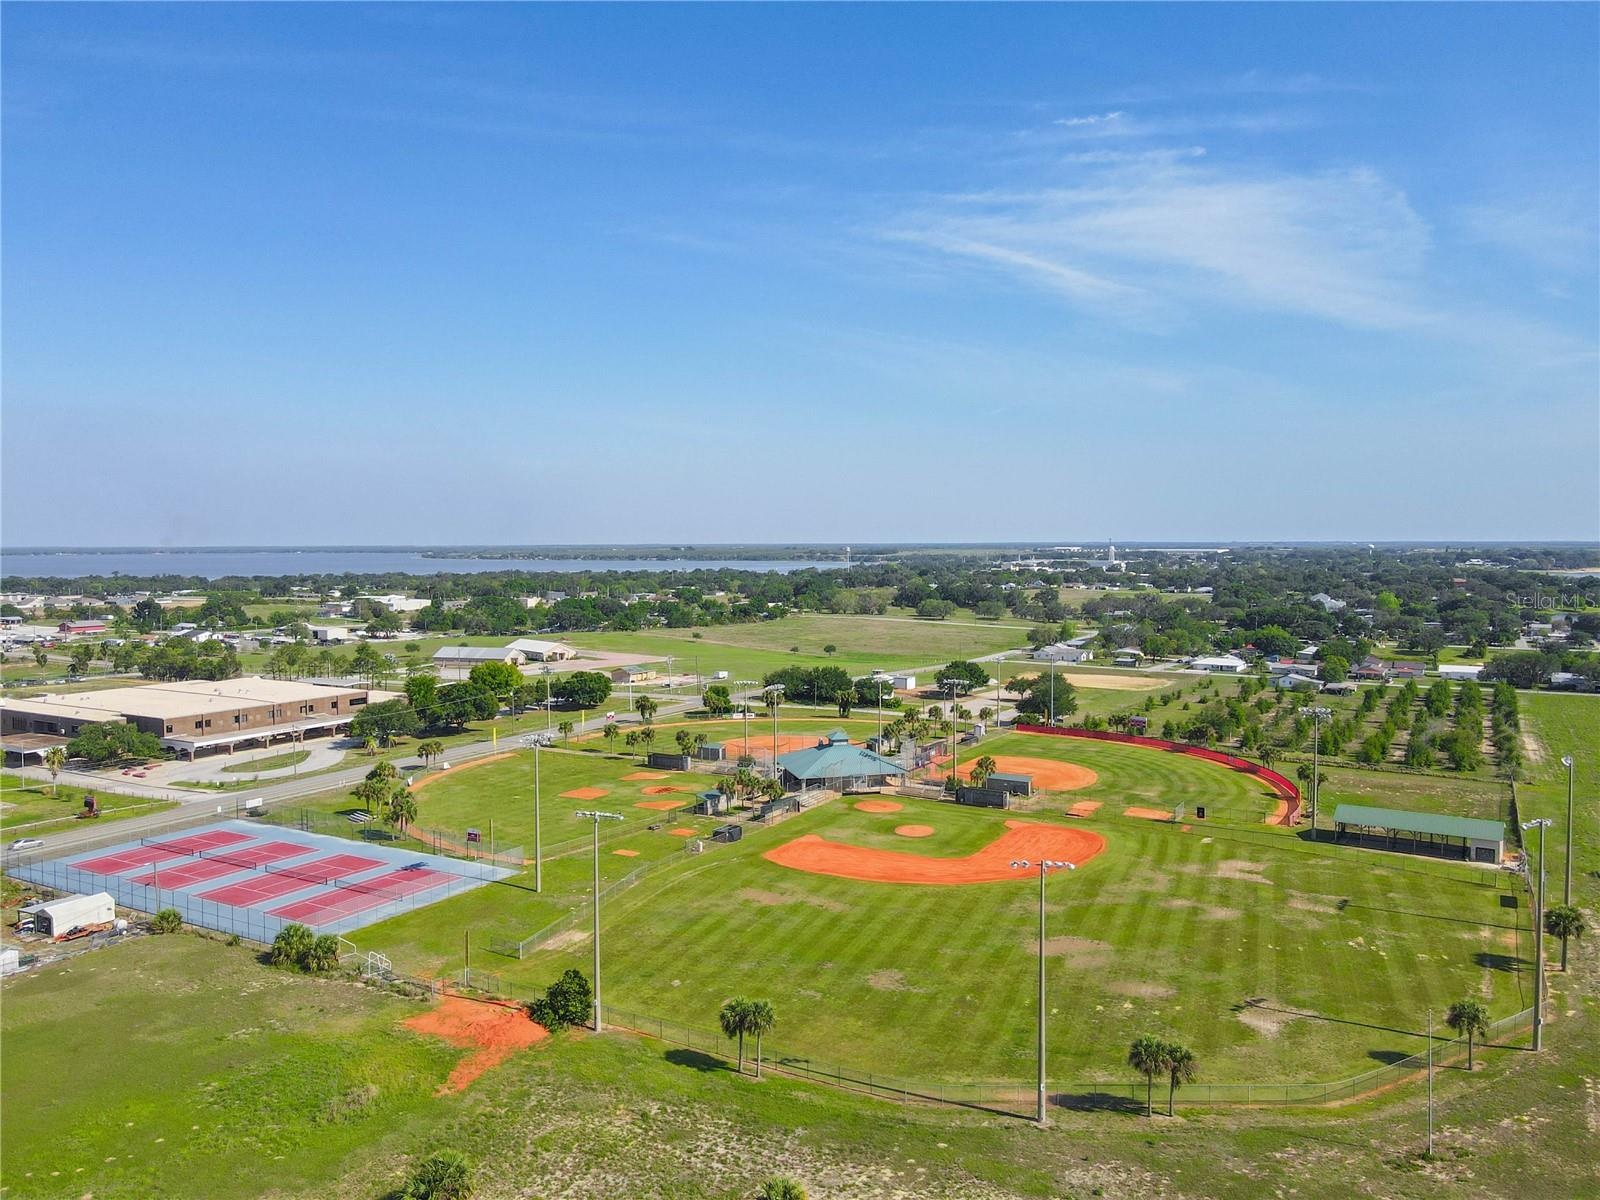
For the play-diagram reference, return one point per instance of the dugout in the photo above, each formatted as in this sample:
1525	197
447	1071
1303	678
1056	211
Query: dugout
710	804
727	833
661	761
983	797
711	752
1014	785
1470	839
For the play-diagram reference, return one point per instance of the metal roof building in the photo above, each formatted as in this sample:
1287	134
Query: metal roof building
1471	838
834	762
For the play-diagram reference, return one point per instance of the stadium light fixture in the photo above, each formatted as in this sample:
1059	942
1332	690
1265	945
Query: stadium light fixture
536	743
1541	824
1318	715
1044	867
597	816
1566	883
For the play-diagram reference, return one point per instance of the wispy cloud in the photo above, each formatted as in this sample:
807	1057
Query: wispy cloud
1099	119
1341	245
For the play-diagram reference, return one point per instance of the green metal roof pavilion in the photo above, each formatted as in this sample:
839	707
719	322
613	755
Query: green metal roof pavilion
1398	820
833	757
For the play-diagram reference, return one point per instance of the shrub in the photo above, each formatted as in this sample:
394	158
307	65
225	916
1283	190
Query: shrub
292	946
443	1175
323	954
781	1187
168	920
567	1002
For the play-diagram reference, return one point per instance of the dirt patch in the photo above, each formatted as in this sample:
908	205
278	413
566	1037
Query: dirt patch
1148	814
1074	951
1532	748
493	1032
773	899
1218	912
888	981
1048	774
878	806
1143	991
683	831
1317	904
641	775
1242	869
626	853
466	766
1268	1022
1021	840
586	793
1178	902
567	937
1113	683
1085	808
914	831
659	805
664	789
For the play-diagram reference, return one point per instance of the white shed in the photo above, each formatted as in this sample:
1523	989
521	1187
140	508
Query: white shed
56	917
903	683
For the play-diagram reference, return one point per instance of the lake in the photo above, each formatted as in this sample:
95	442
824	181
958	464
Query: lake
213	564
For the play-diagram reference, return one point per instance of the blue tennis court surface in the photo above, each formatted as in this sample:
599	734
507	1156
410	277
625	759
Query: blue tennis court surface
253	879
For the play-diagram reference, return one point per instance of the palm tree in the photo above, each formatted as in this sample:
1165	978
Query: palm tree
845	699
734	1019
370	745
1268	756
982	769
430	750
1148	1056
1468	1017
401	809
646	707
1564	921
611	733
55	759
759	1020
1181	1065
647	737
564	728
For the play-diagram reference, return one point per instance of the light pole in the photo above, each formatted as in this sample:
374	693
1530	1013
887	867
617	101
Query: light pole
1318	715
744	686
1052	691
549	700
952	735
880	714
538	744
1540	823
596	816
1566	884
774	695
1430	1083
1045	865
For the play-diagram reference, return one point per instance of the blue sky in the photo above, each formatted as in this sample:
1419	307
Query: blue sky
316	274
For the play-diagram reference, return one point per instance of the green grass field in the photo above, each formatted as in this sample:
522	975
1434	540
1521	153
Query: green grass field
271	762
34	804
1167	930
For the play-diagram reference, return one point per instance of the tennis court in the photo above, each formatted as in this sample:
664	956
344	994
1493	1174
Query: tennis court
252	879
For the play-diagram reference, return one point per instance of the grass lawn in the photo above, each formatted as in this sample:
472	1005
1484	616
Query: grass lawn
1168	931
1553	725
31	803
271	762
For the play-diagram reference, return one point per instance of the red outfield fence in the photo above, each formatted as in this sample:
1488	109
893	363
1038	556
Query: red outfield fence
1286	790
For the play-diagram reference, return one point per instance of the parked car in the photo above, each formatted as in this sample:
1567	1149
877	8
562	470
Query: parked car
26	844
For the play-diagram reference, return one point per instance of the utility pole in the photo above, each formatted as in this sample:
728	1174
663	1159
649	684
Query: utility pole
1044	865
1566	885
1052	691
597	816
1430	1083
953	744
1540	823
538	847
1318	715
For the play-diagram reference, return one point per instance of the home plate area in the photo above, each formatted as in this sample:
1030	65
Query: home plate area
252	879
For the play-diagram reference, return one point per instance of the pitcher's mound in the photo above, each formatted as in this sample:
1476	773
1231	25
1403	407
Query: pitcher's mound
878	806
1048	774
585	793
659	805
663	789
914	830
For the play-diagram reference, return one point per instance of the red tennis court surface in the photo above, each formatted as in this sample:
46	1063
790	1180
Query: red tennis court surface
369	893
230	862
143	856
297	878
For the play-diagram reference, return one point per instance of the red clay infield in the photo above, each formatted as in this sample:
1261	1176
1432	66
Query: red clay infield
914	830
878	806
1148	814
682	832
1030	840
585	793
1048	774
638	775
491	1031
662	790
735	746
659	805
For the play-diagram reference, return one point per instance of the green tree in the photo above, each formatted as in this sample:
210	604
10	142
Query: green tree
646	707
290	947
566	1003
377	786
429	750
113	741
717	700
1335	669
844	699
55	759
387	720
1470	1018
422	690
564	728
830	649
501	680
760	1017
1180	1066
168	920
1148	1056
82	655
40	658
401	809
982	769
734	1017
322	954
1564	921
583	689
443	1175
611	731
965	675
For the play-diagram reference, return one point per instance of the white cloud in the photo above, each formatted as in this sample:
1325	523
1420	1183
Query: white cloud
1100	119
1341	245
